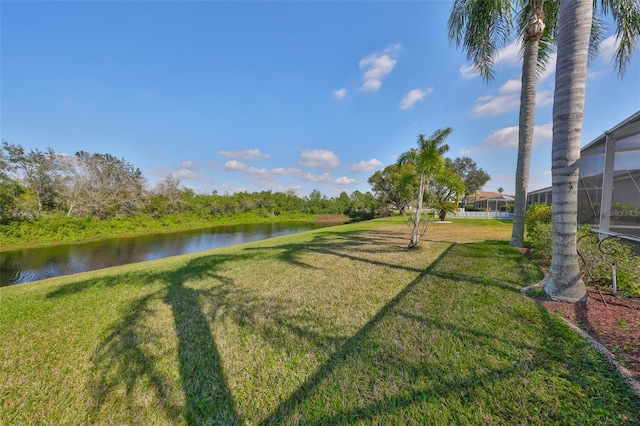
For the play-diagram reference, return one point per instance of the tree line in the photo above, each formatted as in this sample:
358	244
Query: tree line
34	183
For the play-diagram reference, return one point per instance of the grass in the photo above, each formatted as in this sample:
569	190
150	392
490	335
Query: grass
334	326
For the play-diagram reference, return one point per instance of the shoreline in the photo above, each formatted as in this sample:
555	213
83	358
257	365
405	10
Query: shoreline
142	231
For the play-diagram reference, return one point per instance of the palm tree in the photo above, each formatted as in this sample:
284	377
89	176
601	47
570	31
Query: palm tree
563	282
481	26
443	208
429	163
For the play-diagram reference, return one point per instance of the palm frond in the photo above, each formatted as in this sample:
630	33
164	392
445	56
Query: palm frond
481	27
626	14
596	36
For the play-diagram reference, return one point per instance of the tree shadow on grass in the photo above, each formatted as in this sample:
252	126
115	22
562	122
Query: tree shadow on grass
125	361
313	383
343	244
373	377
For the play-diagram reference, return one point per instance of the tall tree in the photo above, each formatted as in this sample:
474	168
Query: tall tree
448	190
473	177
39	172
428	161
104	186
575	34
394	186
449	187
167	197
482	27
564	281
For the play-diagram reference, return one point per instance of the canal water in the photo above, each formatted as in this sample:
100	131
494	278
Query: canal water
28	265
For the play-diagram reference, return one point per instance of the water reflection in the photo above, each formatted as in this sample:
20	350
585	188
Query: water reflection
23	266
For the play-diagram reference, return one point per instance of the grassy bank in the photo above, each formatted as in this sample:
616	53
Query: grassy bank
334	326
57	229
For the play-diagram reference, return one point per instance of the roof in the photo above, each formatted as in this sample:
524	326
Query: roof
540	191
502	198
627	127
485	195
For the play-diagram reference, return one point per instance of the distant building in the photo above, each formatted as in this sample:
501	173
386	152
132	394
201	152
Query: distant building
539	196
609	182
489	201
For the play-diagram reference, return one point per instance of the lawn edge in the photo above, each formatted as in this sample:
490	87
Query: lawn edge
625	373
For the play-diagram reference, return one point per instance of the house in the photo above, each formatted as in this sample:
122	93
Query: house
539	196
489	201
609	181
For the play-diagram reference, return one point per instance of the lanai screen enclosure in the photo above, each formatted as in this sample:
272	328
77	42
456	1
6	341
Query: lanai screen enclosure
609	188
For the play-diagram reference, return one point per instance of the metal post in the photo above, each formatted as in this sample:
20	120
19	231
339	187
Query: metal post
613	278
607	182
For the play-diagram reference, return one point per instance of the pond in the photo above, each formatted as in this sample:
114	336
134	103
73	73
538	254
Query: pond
28	265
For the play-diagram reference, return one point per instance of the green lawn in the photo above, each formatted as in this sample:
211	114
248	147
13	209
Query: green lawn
335	326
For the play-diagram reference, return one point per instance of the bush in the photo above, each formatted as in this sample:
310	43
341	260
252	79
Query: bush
537	224
537	214
540	240
598	258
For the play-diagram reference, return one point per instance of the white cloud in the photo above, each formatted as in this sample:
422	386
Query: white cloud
244	154
234	165
340	93
542	133
489	106
188	174
283	172
189	164
365	166
377	66
544	98
318	157
468	72
507	138
310	177
511	86
608	47
255	171
343	180
509	55
414	96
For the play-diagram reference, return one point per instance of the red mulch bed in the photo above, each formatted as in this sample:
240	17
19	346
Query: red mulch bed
615	324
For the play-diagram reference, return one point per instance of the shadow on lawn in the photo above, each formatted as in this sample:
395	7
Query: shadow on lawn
123	360
379	372
385	358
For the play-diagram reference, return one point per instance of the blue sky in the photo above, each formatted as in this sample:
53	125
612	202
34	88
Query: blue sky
234	96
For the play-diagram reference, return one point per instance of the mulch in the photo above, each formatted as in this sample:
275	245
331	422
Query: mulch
610	320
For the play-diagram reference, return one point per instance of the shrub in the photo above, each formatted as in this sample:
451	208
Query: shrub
599	256
537	214
537	224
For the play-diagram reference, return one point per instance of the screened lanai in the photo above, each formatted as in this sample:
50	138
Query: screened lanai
609	187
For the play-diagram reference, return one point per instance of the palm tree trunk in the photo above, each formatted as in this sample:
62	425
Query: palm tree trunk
415	232
531	40
564	281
